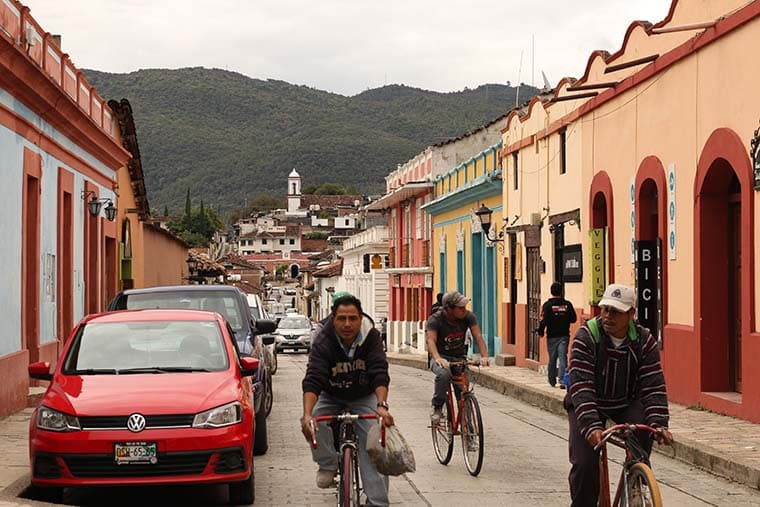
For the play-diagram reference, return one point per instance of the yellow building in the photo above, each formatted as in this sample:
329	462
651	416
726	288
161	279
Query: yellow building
464	259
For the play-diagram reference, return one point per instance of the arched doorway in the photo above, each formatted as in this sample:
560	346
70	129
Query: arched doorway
720	214
294	271
651	231
723	260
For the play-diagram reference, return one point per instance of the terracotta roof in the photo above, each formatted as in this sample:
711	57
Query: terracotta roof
205	266
238	261
334	269
123	113
309	286
313	245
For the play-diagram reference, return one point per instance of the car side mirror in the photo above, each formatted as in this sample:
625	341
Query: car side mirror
265	326
267	340
249	366
40	371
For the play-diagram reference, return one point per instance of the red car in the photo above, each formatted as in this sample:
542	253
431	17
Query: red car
146	397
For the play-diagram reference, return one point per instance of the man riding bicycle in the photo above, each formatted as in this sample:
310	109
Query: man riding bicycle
445	334
615	373
347	370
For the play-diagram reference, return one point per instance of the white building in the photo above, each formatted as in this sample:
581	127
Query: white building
364	260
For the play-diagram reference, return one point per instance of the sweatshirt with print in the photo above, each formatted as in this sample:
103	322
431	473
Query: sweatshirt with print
331	369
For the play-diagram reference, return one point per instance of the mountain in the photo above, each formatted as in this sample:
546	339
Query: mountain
229	138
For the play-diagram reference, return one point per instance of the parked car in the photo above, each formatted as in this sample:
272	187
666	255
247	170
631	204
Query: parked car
289	291
293	333
230	303
270	353
146	397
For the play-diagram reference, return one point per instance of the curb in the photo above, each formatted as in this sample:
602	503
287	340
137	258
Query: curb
688	451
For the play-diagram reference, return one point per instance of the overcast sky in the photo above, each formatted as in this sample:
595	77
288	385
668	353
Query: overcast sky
347	46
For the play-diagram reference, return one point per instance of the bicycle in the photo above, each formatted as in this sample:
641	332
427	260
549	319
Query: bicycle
637	485
465	421
349	486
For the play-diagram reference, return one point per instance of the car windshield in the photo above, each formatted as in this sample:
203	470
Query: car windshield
147	347
256	312
223	303
294	323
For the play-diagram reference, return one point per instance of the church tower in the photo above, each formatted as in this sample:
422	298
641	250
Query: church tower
294	192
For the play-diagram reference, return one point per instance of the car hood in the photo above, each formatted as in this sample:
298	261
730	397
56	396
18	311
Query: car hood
162	393
295	331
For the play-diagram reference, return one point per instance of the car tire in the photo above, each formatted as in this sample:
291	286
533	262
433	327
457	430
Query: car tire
243	492
260	440
45	494
308	350
268	397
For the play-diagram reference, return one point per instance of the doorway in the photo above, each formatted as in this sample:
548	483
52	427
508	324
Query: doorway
533	259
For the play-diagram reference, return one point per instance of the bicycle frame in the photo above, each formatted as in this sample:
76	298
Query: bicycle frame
460	380
348	441
623	436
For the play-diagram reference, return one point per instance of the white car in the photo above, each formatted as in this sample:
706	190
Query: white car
293	333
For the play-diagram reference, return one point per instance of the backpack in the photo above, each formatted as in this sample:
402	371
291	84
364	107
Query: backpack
600	353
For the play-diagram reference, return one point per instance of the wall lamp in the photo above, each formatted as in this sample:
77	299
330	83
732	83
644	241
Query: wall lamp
484	214
94	205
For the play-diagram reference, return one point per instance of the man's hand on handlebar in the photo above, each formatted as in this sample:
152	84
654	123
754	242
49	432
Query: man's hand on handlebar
484	361
442	363
663	436
386	415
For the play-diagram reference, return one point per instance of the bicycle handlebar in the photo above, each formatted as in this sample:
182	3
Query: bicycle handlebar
343	418
624	429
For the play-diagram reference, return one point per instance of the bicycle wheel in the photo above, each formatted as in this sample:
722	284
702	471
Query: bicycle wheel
347	478
443	436
643	490
472	435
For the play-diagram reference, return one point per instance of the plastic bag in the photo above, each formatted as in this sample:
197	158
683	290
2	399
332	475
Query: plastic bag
396	457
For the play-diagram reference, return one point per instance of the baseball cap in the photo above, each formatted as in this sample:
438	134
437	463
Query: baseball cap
619	297
454	298
340	294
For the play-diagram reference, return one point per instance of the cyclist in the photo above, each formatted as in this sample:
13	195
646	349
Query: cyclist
347	370
445	334
615	373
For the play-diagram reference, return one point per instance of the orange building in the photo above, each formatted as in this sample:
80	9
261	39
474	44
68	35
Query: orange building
650	153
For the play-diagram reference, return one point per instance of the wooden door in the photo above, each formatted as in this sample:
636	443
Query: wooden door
534	300
734	291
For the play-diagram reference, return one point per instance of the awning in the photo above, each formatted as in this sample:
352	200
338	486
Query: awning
406	191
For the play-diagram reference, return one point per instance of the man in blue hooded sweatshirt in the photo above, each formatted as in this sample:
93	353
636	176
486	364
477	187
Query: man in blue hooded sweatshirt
347	370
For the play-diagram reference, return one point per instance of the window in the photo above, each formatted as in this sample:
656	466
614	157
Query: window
515	164
282	241
263	242
292	242
563	151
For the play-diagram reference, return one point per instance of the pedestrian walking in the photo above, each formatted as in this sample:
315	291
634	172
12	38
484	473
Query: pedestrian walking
557	314
438	303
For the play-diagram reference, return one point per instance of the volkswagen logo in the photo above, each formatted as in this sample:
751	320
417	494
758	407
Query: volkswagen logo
136	423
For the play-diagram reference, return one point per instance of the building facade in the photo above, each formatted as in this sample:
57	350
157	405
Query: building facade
364	260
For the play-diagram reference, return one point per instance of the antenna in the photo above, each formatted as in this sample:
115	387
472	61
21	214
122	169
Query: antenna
519	71
547	86
533	60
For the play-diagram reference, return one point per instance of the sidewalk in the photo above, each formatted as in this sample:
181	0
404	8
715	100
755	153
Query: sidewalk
720	444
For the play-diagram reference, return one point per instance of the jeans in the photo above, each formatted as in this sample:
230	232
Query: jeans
375	485
584	461
442	380
557	348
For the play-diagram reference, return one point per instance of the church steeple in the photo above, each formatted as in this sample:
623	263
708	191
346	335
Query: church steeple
294	191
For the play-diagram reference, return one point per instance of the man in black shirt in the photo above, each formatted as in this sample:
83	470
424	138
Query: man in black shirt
557	314
445	334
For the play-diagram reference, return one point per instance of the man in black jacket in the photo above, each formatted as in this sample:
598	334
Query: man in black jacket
557	314
347	370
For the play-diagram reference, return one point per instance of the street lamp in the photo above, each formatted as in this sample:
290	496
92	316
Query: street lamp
484	214
192	264
94	205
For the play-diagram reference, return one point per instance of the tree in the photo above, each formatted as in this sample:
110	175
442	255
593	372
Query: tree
188	204
330	189
198	227
166	211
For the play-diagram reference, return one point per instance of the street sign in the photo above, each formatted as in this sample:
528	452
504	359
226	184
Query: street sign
648	286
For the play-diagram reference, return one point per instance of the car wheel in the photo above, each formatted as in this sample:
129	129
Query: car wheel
243	492
269	397
260	441
46	494
273	369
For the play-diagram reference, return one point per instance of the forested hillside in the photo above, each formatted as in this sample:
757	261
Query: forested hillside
229	138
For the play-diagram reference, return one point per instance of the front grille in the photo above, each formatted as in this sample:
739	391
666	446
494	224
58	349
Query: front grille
103	465
46	467
151	421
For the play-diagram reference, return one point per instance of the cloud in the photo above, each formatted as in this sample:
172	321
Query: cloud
346	46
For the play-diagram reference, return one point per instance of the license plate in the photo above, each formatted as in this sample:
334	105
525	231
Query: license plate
136	452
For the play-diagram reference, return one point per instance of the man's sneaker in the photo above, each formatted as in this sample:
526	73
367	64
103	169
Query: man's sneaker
326	478
472	444
562	386
436	415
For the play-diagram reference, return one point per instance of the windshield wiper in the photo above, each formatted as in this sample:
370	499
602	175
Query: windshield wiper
93	371
160	369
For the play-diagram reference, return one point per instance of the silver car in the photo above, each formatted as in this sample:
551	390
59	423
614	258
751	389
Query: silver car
294	333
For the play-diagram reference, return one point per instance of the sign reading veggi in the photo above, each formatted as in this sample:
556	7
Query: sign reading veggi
598	256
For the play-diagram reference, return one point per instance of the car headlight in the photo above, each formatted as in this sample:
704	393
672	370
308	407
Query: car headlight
52	420
306	337
231	413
